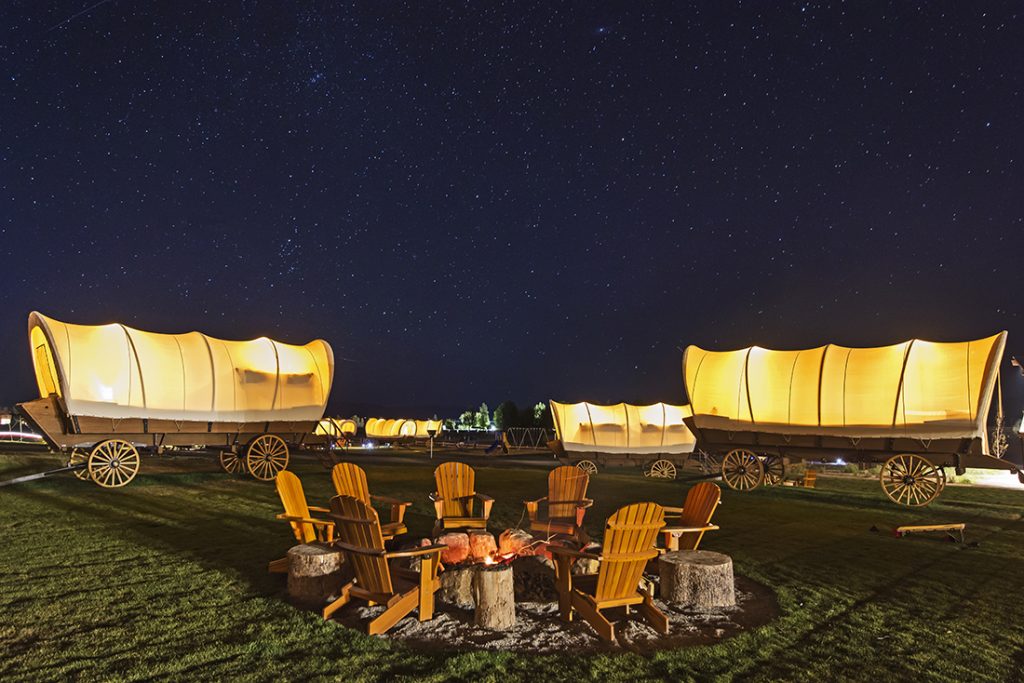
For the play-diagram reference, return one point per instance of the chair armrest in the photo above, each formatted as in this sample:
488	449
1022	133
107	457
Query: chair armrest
688	529
583	503
307	520
486	502
416	552
569	552
532	506
318	509
391	501
675	512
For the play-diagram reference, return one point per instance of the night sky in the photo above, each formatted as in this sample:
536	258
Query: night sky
480	201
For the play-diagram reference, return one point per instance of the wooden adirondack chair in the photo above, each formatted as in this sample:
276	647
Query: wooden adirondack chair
455	498
810	479
306	528
376	581
693	519
629	537
567	502
350	480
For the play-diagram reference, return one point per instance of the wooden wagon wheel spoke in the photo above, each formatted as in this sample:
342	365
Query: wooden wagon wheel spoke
266	455
78	457
911	480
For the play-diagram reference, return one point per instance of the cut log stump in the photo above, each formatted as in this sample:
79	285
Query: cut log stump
493	590
457	586
697	580
315	573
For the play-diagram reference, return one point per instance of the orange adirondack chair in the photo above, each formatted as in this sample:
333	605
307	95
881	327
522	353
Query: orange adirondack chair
306	528
350	480
567	502
376	581
629	537
455	498
694	518
810	479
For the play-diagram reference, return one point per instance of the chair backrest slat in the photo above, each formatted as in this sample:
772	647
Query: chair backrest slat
350	480
456	480
566	483
628	544
698	508
357	524
289	488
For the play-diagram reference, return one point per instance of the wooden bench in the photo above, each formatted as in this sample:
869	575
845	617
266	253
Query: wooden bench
902	531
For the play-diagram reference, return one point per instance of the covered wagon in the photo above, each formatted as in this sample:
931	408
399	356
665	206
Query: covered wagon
915	407
107	391
654	436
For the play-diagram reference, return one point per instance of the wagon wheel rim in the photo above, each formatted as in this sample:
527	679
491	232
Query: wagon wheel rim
662	469
266	456
742	470
79	457
230	462
113	463
588	466
774	470
911	480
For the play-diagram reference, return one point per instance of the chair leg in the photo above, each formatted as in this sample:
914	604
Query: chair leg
563	582
339	601
605	629
654	616
278	566
427	571
392	615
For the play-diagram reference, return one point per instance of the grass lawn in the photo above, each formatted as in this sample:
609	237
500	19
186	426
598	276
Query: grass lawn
167	578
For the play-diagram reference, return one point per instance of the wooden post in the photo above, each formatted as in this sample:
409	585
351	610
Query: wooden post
495	597
315	574
697	580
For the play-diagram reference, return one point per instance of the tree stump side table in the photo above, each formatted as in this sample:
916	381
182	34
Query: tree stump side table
697	580
315	574
495	598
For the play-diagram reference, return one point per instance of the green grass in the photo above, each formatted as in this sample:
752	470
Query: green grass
166	578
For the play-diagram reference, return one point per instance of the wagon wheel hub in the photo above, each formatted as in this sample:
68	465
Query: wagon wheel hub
114	464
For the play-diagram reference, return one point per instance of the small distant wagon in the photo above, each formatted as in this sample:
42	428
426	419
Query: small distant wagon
108	392
400	429
916	408
654	437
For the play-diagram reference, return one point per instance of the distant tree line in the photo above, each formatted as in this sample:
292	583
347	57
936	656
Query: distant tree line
506	415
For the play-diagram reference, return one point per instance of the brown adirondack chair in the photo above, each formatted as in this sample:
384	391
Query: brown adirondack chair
350	480
376	580
306	528
567	502
629	537
693	519
456	496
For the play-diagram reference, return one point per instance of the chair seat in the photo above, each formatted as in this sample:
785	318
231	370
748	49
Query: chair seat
463	522
392	529
555	525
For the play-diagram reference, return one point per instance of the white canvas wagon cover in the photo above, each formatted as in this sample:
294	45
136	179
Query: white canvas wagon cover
916	389
623	428
116	371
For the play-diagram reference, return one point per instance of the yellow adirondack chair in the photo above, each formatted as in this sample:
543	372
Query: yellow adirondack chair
350	480
693	519
810	479
567	502
376	581
456	496
306	528
629	537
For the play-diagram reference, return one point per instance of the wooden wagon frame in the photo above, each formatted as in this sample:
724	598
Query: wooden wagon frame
111	391
913	456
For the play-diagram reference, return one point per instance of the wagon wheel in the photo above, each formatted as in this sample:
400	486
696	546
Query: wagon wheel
266	455
78	457
941	471
588	466
113	463
742	470
230	462
911	480
661	469
774	470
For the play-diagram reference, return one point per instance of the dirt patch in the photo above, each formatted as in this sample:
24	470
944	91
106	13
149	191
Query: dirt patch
539	629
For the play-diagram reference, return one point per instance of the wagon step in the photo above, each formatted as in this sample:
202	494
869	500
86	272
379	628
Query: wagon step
41	475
